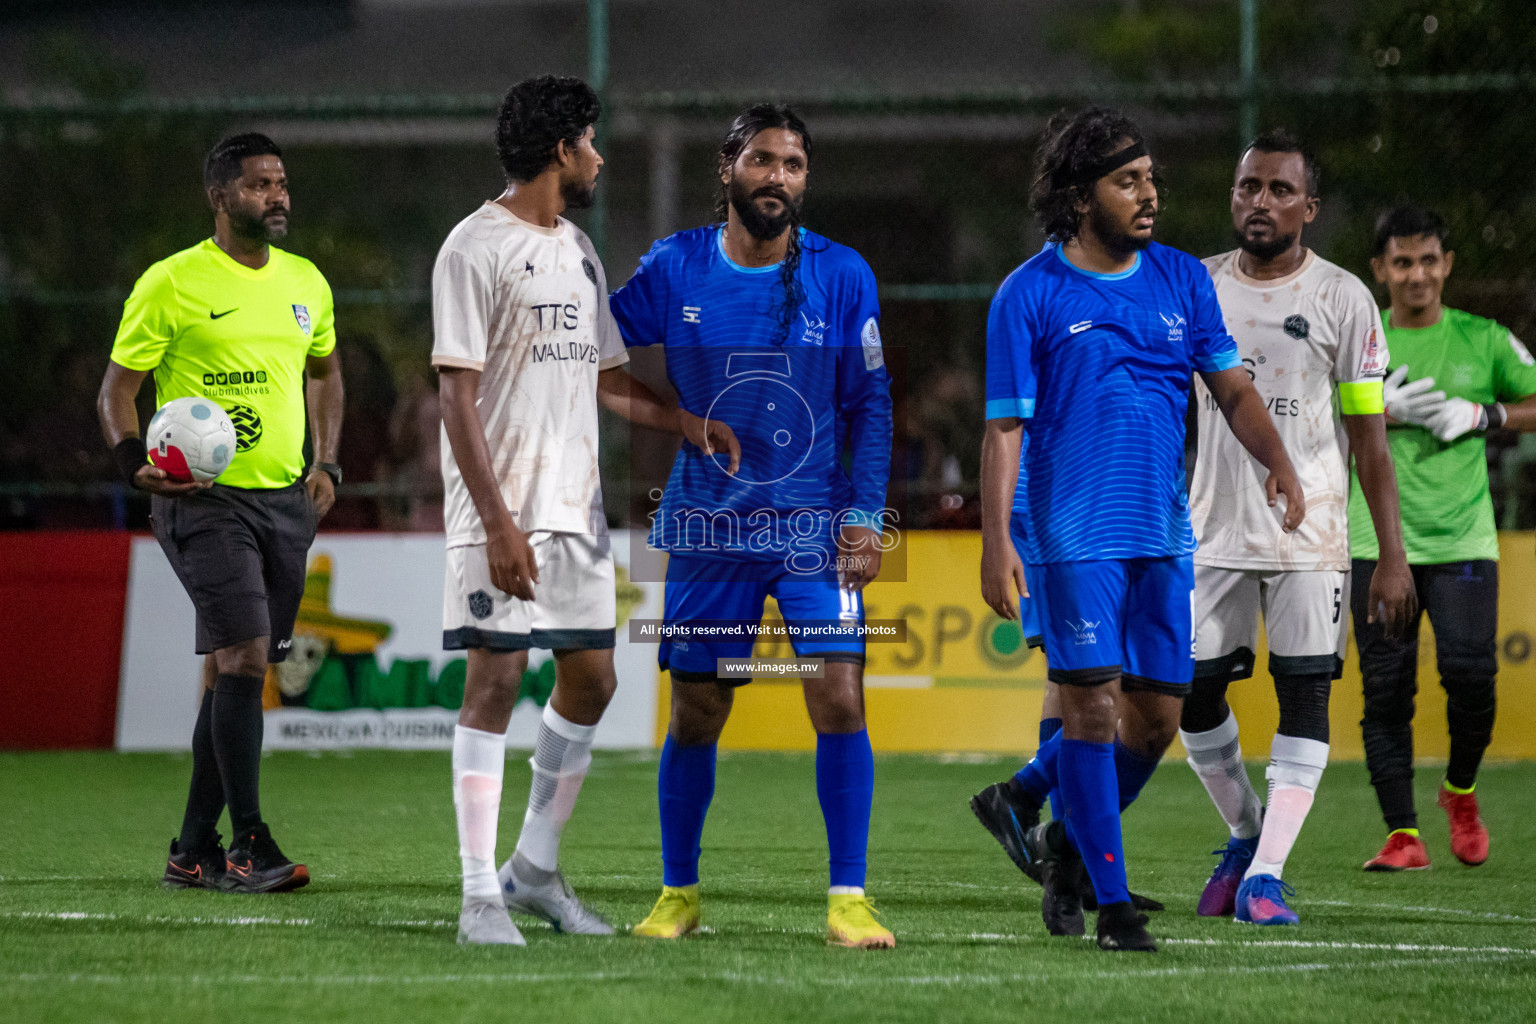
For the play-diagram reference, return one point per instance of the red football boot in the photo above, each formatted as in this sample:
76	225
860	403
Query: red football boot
1403	852
1469	839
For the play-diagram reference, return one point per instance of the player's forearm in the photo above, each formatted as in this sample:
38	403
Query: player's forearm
115	405
869	437
1378	481
1521	415
324	395
1000	446
471	453
622	394
1252	426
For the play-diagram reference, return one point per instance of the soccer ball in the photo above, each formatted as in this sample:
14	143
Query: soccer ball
191	439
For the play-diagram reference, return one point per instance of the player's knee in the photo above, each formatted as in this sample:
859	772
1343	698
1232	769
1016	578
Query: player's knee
248	658
1303	700
1467	667
1206	706
699	711
1088	713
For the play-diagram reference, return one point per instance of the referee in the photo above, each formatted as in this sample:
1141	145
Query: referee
240	323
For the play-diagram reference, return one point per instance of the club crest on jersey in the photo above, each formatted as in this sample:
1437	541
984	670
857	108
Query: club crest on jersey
1297	327
588	269
1175	326
815	329
301	314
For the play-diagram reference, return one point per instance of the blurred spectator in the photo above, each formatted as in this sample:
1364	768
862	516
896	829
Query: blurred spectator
364	451
416	475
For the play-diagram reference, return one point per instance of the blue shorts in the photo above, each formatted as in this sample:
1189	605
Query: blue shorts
1132	618
717	590
1029	616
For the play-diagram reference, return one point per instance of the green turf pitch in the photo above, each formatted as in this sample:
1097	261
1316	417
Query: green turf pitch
86	934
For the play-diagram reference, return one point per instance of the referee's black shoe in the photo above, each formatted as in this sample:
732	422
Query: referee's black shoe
199	868
1123	929
1008	815
255	864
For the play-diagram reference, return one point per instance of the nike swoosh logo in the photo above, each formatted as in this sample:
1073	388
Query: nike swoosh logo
214	316
190	874
1080	327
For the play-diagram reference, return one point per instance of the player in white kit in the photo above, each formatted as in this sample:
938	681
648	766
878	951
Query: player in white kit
527	348
1311	337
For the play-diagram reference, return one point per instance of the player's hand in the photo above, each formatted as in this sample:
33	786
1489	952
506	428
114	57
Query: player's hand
1393	602
1411	402
1283	481
1002	576
710	436
513	569
322	491
157	481
858	556
1452	417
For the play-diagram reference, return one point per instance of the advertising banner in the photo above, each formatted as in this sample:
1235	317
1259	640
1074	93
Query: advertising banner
367	667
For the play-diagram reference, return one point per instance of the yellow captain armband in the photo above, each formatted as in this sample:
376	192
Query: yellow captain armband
1361	398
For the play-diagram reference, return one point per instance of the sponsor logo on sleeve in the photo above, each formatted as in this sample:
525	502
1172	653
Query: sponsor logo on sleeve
1373	360
869	338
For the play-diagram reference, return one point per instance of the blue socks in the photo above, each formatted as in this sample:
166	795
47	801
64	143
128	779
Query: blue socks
1132	772
845	785
685	785
1038	777
1089	791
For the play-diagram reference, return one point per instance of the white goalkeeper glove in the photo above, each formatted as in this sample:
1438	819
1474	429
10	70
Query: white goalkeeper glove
1411	402
1454	417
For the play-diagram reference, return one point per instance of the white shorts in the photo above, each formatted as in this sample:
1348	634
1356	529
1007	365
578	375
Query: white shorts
1306	620
573	607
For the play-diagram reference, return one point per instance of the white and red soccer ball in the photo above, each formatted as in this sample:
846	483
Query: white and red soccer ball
191	439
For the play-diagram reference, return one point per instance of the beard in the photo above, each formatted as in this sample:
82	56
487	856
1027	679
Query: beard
1112	234
760	225
257	227
1264	251
578	195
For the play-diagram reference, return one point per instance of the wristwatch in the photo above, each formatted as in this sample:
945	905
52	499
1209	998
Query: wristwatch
331	470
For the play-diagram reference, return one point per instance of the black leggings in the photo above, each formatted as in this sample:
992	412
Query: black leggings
1462	599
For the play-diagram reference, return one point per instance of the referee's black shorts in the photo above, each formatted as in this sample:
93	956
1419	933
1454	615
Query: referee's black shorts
241	554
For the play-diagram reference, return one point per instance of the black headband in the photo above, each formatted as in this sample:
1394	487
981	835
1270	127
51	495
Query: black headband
1105	164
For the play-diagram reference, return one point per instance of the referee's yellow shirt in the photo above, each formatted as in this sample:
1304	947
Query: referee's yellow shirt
214	328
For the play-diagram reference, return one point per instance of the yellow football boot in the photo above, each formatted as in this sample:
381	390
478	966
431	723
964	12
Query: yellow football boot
675	914
851	922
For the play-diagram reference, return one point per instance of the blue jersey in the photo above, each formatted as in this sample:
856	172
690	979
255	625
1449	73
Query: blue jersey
796	402
1101	365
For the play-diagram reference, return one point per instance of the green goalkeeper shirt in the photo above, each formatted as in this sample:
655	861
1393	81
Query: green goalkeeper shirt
1442	488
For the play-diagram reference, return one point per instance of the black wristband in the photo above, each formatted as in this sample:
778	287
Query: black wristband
1497	414
131	456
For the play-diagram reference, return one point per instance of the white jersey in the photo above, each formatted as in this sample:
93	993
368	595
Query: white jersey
1300	337
528	307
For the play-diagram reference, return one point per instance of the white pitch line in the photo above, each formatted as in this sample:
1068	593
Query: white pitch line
306	922
776	981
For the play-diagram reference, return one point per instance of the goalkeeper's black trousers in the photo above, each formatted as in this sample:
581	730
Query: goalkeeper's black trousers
1462	601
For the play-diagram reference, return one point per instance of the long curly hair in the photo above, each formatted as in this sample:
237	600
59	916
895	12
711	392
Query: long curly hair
1070	149
759	118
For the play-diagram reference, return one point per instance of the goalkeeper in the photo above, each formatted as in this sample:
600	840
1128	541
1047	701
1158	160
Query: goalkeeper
1455	376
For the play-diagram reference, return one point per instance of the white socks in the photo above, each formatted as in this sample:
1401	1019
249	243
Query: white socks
1295	768
560	760
479	760
1217	759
